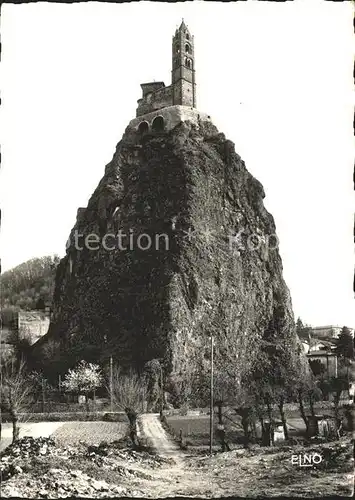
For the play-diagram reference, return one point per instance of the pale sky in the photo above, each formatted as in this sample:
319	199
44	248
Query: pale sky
276	78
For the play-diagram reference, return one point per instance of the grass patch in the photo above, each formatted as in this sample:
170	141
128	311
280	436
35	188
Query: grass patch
196	430
72	433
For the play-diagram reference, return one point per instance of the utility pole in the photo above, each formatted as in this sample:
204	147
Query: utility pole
211	398
111	384
143	398
0	377
59	388
161	390
43	395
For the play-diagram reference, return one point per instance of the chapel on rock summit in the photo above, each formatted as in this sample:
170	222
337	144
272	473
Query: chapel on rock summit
162	107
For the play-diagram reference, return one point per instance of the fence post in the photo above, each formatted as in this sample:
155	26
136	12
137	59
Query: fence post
211	398
111	384
180	436
43	395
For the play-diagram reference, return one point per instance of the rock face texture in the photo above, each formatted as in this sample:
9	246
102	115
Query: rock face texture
212	267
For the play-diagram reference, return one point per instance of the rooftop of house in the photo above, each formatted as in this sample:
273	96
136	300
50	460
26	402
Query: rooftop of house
321	353
329	342
32	315
326	327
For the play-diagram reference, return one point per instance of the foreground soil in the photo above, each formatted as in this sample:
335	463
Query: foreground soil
42	468
38	429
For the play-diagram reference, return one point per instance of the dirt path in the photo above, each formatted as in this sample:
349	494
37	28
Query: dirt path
176	478
158	438
243	473
265	472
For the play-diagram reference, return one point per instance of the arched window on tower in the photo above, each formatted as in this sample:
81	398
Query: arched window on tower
177	48
187	49
188	62
187	36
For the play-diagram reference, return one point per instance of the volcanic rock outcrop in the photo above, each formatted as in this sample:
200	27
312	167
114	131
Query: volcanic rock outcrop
212	266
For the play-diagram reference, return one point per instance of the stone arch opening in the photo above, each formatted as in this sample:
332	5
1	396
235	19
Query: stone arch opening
158	124
188	63
143	127
177	48
187	36
187	48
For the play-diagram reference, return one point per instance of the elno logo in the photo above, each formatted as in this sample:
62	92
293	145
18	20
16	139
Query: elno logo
306	460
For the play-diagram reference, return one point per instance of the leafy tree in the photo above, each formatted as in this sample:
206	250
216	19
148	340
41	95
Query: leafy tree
258	388
181	390
29	285
84	379
250	409
225	390
299	326
325	388
303	331
50	359
7	353
303	387
336	386
16	392
345	345
127	393
21	342
153	375
277	376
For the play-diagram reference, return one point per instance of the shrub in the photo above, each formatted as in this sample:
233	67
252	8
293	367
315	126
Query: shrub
114	417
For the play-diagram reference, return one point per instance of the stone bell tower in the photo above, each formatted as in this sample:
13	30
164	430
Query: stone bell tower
183	73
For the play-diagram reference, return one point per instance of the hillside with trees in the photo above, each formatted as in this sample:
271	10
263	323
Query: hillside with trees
29	285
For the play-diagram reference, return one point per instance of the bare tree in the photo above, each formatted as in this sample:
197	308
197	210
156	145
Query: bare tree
126	392
15	392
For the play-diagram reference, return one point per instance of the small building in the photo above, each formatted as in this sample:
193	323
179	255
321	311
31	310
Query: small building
312	345
328	359
31	325
321	345
327	332
305	346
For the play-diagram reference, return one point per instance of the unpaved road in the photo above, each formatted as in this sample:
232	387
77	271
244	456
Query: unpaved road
265	472
158	438
242	473
175	479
